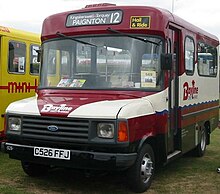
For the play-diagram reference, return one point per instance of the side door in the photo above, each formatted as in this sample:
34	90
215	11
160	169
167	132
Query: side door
174	133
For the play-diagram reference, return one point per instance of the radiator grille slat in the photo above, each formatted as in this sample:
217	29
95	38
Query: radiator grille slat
61	127
69	130
49	138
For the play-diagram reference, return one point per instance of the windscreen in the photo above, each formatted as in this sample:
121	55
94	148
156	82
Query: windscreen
105	62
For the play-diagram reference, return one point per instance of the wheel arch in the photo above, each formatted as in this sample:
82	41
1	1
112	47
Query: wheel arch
156	144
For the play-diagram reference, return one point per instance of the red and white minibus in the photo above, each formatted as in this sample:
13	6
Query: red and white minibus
121	87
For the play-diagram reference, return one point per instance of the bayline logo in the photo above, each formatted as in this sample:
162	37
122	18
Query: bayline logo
62	108
190	92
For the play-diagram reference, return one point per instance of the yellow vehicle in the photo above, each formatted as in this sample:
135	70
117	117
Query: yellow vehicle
19	68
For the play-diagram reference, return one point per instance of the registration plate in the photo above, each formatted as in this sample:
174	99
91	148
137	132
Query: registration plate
52	153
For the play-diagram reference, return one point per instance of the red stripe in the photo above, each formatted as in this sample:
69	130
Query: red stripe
199	107
200	116
3	87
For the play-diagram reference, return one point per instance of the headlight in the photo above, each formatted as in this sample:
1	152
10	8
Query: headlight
14	124
105	130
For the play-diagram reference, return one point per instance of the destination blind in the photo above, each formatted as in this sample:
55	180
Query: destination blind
94	18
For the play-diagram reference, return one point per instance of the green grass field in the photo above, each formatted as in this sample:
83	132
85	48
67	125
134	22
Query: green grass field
185	175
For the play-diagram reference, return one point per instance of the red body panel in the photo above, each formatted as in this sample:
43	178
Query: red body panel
158	25
147	126
55	23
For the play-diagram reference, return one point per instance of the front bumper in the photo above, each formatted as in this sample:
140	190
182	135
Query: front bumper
78	159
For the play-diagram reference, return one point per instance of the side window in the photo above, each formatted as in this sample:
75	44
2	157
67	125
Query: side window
34	64
189	55
16	57
207	60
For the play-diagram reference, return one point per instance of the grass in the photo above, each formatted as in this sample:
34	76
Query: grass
184	176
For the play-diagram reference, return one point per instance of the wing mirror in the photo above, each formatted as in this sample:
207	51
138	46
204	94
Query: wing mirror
166	61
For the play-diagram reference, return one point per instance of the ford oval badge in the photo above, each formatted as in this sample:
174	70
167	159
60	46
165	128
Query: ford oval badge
52	128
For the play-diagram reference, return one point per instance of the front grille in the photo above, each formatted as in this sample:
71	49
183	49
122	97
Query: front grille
69	130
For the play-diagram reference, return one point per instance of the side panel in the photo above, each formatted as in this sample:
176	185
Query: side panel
198	108
193	98
198	102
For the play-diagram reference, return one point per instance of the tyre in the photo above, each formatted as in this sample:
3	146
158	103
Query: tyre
140	175
201	147
33	169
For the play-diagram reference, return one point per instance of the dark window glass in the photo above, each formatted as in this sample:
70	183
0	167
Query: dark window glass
189	55
207	60
16	57
34	64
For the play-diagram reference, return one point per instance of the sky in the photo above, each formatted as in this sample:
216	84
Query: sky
29	15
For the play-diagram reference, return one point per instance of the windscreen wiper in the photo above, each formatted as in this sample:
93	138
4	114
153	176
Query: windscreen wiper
74	39
131	36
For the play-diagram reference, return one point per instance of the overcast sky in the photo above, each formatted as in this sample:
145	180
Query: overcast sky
29	14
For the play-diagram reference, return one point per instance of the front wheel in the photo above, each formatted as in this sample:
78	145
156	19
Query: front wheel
140	175
33	169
